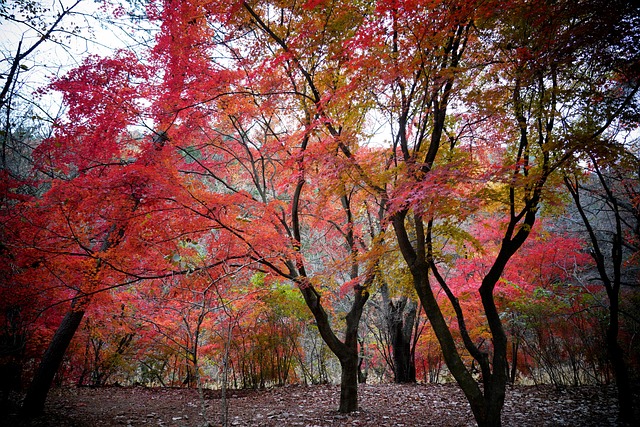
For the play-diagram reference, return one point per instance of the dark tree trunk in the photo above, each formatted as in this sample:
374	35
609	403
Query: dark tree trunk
362	375
400	317
620	371
39	388
346	351
482	404
487	402
349	384
404	362
405	370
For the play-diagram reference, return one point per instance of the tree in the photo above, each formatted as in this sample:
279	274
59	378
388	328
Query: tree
609	112
607	206
402	326
266	131
19	133
433	192
93	227
26	17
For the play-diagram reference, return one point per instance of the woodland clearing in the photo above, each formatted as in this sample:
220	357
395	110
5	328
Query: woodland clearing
309	406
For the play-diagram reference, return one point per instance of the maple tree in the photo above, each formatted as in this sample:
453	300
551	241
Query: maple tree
434	191
94	226
29	27
266	146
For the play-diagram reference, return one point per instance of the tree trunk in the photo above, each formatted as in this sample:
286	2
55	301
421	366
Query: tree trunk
514	361
224	410
399	317
494	395
401	326
349	384
362	374
50	363
347	351
625	394
486	404
452	358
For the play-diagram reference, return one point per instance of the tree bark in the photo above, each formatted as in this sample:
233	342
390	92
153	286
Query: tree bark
347	351
620	371
349	384
37	394
401	327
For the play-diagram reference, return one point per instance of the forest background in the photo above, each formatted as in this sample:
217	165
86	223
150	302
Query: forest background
248	194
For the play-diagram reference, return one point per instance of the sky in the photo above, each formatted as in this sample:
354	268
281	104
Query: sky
95	31
89	30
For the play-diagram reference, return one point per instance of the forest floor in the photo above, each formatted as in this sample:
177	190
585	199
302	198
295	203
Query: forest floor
313	406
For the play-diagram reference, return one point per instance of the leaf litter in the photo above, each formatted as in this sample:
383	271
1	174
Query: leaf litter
381	405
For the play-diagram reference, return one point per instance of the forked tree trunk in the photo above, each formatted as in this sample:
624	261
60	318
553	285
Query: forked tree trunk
346	351
486	404
37	394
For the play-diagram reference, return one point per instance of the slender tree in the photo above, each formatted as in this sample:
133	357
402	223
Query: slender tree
612	190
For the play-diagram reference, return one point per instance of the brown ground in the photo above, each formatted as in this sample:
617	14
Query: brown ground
314	406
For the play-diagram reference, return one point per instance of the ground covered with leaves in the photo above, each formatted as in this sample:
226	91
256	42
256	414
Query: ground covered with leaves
381	405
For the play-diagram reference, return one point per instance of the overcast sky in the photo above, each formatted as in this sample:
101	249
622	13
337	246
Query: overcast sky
93	35
95	32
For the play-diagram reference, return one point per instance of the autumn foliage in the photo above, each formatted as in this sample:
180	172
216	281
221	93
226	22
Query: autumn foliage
269	183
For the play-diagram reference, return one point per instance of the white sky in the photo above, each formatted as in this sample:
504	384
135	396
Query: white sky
92	35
